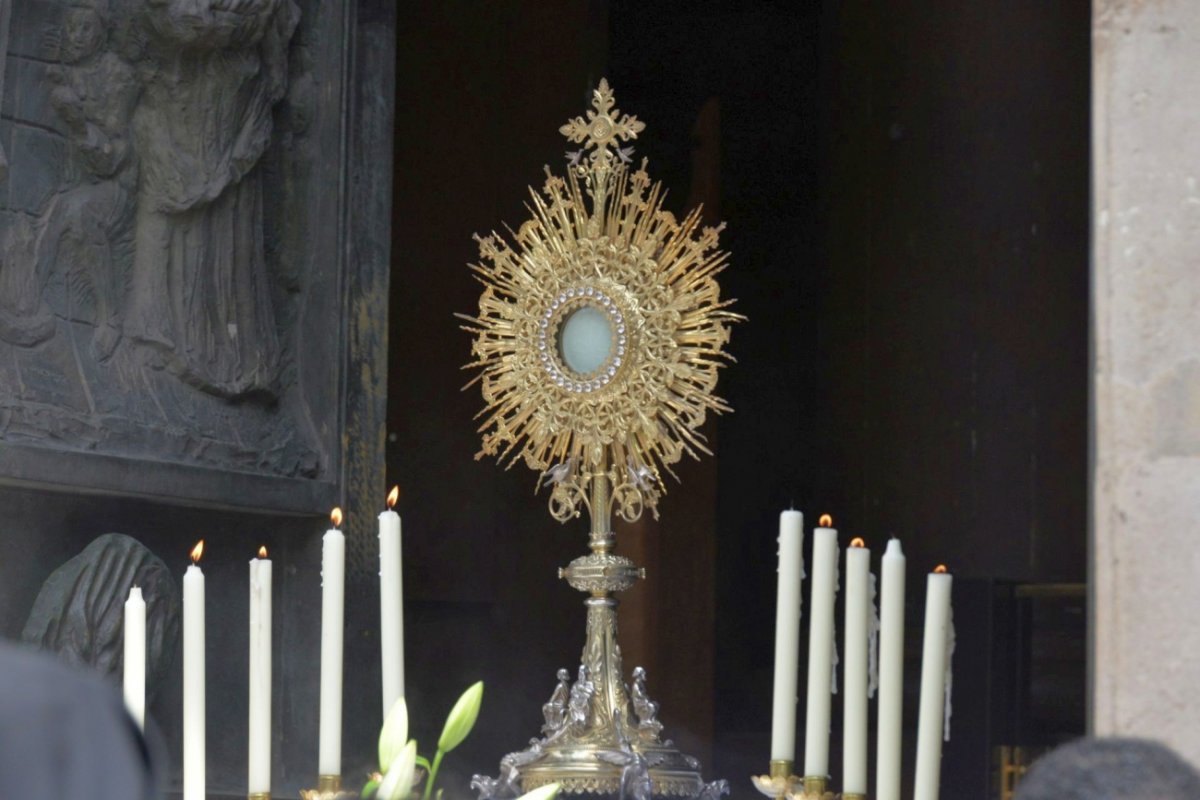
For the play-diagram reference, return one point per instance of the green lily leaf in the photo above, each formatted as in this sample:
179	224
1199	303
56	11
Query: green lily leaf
394	735
368	790
546	792
398	781
462	718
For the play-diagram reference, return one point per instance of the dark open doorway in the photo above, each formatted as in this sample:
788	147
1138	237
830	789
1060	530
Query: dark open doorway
906	193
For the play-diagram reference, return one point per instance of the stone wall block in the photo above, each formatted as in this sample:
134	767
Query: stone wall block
1146	371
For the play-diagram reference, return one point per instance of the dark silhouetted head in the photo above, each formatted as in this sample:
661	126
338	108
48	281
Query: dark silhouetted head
1110	769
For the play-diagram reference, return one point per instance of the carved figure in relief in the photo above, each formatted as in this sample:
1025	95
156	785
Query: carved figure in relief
199	294
24	317
489	788
87	230
508	784
136	250
510	765
714	791
645	708
579	707
555	710
636	783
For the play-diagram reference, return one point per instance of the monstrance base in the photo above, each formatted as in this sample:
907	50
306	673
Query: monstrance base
605	757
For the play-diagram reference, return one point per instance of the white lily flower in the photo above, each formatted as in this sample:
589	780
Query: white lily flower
398	782
394	735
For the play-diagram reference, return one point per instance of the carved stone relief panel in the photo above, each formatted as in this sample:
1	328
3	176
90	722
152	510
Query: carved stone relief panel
168	293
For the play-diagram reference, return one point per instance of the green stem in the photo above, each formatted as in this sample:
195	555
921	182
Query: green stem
433	771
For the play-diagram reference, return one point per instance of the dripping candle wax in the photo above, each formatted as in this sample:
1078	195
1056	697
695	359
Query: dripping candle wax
891	674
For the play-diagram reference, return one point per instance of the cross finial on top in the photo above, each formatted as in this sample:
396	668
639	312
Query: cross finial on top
603	127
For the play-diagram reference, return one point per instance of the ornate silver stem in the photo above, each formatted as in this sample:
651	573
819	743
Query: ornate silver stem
597	740
602	538
602	657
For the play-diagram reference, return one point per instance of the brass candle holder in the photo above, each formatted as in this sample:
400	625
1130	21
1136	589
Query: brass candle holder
783	784
780	782
816	787
329	787
258	796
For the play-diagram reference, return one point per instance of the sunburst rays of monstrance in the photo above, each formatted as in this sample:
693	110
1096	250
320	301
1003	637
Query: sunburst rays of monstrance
598	341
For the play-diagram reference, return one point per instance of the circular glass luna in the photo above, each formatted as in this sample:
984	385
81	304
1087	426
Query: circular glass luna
585	339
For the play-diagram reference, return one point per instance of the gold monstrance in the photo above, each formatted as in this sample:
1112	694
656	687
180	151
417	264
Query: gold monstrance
598	342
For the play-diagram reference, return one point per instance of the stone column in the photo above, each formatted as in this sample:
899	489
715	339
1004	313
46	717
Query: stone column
1146	371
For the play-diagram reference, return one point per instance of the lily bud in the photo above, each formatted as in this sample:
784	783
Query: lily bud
462	718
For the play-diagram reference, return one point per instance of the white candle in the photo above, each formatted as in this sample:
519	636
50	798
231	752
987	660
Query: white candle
858	633
135	656
820	649
259	737
193	679
891	674
391	604
951	644
333	580
933	685
787	635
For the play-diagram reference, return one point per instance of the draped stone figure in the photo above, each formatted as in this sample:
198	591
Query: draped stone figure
199	294
80	611
24	317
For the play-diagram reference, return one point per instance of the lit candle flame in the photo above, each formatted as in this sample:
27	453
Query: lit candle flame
393	497
858	541
262	551
940	569
826	521
197	551
335	517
